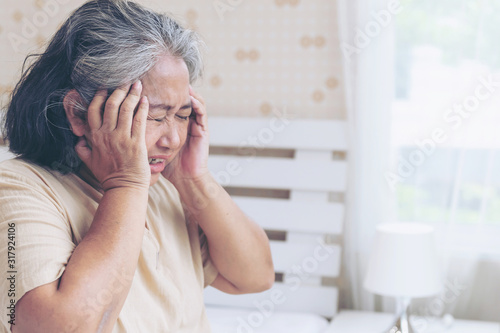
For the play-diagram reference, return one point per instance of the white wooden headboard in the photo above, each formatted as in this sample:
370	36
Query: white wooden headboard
292	184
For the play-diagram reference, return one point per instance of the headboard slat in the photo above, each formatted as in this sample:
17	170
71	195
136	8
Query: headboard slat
279	173
313	259
270	213
278	133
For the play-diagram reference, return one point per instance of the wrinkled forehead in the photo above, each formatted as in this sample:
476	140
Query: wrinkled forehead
167	82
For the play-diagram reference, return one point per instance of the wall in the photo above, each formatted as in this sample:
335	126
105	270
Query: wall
260	54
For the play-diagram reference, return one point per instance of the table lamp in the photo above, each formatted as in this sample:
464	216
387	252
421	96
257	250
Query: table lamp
404	264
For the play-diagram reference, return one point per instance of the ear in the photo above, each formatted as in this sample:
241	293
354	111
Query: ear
73	113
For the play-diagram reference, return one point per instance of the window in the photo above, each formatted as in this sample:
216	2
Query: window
446	113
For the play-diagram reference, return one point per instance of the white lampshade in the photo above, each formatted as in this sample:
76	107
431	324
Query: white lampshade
404	261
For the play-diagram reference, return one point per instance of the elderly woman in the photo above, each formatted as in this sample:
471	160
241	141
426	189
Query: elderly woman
117	223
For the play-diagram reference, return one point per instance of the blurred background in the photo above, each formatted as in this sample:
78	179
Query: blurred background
423	102
258	54
418	82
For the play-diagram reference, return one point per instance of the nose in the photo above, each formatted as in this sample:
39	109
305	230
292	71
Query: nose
170	137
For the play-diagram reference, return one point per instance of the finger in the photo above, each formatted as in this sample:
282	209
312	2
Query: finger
94	117
140	119
196	95
201	115
113	106
128	107
83	151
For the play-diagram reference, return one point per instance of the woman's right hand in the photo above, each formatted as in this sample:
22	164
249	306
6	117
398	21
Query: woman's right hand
114	147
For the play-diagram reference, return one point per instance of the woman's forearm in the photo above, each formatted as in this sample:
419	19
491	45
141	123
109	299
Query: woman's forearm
238	246
98	276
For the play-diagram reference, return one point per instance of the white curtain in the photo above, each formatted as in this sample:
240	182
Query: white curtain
369	92
423	97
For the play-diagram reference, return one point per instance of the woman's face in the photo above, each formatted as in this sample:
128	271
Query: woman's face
167	89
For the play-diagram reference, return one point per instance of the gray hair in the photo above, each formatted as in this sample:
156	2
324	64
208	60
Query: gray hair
104	44
119	41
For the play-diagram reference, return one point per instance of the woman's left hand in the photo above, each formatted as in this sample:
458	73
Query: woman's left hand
191	162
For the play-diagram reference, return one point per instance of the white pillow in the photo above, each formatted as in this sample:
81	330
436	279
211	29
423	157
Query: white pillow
237	320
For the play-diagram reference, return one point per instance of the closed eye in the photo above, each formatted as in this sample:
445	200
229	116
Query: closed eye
156	119
187	117
159	120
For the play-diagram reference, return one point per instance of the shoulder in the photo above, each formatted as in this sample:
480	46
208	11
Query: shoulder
20	169
18	174
41	197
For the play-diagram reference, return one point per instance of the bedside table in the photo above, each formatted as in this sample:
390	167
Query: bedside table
376	322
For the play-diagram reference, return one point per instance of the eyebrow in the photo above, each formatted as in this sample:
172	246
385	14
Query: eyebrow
169	107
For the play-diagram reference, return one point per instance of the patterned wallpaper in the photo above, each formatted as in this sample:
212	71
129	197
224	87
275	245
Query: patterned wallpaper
260	55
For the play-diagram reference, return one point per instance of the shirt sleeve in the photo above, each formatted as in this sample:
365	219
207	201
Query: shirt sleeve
210	272
36	236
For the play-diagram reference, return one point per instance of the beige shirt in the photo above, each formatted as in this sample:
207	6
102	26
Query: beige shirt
53	212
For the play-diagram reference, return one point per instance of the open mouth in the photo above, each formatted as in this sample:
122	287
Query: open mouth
156	160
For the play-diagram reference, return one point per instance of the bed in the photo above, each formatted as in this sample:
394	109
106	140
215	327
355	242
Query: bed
239	320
